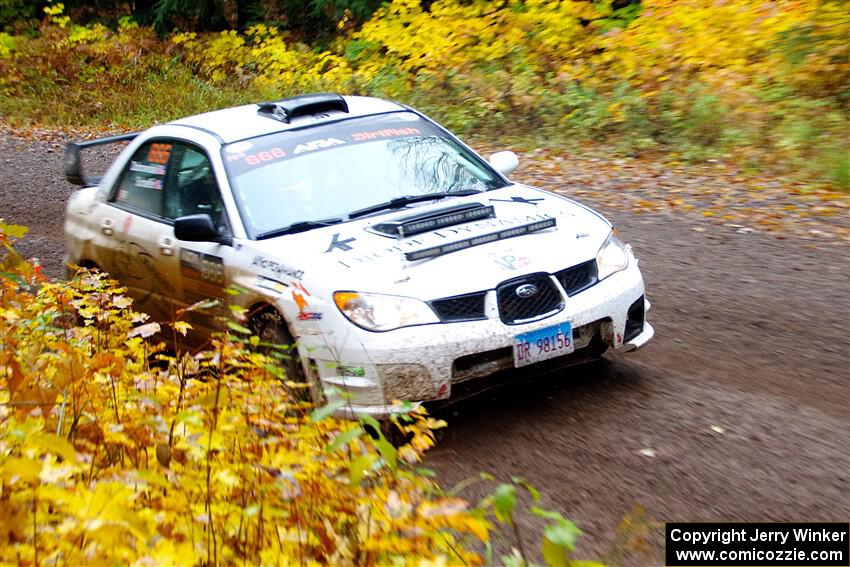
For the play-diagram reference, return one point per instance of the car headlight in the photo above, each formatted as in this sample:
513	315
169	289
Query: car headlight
611	258
375	312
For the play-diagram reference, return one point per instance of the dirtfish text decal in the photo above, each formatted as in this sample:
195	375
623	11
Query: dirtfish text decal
277	267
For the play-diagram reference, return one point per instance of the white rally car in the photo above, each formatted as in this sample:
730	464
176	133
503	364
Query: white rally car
398	261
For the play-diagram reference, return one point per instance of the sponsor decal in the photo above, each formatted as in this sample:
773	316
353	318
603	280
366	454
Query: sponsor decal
519	200
301	297
276	267
272	285
384	133
299	292
341	244
317	145
148	183
309	316
128	222
582	235
510	261
265	156
244	156
199	266
151	169
159	153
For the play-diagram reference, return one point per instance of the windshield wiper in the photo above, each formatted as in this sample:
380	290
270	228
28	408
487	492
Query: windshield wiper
299	226
400	202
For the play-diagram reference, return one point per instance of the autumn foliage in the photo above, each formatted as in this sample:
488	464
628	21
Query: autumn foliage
761	82
116	450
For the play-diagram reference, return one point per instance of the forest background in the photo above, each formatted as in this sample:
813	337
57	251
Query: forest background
117	450
763	84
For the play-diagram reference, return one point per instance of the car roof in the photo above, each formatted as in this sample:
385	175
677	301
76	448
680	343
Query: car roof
241	122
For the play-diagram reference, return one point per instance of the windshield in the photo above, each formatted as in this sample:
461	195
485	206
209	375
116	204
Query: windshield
327	172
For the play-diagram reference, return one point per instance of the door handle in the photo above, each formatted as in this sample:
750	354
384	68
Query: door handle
107	227
166	246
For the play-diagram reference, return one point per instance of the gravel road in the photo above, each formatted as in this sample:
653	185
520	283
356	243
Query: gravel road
739	409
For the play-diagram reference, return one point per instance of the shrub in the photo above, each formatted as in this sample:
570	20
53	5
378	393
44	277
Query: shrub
114	449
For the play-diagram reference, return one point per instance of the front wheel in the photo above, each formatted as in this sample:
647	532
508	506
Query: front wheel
277	343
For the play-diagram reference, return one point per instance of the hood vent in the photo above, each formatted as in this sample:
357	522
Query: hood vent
434	220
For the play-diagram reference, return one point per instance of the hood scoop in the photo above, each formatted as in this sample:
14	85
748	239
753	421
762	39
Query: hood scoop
412	225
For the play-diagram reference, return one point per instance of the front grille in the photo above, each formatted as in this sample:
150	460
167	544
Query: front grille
515	310
469	307
578	278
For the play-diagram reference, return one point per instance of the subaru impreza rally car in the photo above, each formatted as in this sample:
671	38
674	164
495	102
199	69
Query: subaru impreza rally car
397	260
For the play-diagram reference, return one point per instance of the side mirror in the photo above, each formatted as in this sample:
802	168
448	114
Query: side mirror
504	162
72	165
198	228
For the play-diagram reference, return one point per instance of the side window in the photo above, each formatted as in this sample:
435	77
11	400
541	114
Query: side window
191	187
142	183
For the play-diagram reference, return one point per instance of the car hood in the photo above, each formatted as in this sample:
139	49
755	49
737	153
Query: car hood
356	256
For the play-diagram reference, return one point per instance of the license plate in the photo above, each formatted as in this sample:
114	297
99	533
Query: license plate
543	344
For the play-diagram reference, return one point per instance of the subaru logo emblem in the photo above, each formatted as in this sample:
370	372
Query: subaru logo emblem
526	290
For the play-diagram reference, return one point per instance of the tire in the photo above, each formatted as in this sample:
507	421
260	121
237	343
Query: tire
270	326
597	347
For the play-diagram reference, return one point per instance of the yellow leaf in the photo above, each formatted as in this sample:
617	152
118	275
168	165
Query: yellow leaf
182	327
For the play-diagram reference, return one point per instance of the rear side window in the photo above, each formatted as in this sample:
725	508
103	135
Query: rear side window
142	183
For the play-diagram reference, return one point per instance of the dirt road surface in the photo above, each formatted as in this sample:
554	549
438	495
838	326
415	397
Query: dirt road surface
739	410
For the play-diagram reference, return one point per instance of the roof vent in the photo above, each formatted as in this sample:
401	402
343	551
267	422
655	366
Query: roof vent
289	108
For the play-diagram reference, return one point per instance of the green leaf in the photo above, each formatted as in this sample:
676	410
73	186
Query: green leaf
388	452
200	305
238	310
234	289
345	438
275	371
535	494
14	230
504	502
548	514
358	467
238	328
371	422
563	533
554	554
513	560
421	471
323	412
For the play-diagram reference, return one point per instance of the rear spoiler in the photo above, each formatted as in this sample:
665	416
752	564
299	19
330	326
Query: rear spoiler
72	164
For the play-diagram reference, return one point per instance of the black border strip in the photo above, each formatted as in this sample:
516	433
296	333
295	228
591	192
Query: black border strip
512	232
414	227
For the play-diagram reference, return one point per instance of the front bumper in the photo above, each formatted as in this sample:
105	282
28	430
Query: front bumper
423	363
